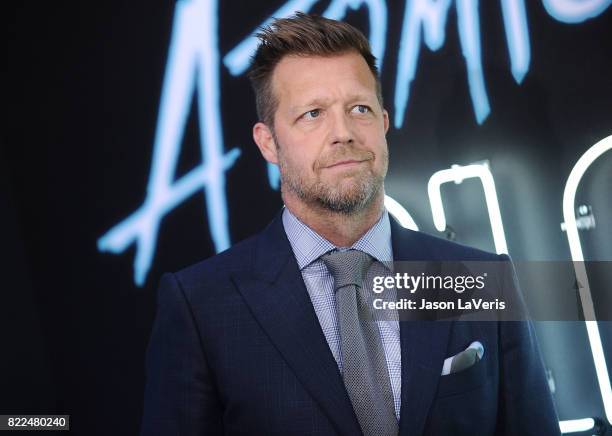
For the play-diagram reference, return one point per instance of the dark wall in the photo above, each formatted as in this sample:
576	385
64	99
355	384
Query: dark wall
83	94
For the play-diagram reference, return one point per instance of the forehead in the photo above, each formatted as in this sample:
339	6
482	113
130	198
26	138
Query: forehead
297	79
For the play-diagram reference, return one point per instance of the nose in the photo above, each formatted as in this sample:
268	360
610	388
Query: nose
341	129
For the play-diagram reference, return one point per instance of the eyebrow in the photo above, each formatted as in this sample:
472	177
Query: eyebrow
317	102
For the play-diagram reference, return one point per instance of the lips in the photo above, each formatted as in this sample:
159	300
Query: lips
343	163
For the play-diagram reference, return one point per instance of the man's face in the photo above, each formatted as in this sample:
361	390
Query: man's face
329	132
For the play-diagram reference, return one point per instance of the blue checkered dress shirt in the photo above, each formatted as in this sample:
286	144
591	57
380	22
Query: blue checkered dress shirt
308	246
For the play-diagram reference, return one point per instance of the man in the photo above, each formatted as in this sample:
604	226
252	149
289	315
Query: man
266	339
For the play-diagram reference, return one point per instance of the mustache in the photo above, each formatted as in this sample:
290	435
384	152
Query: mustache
344	155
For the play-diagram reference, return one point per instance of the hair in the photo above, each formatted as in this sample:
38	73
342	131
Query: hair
302	35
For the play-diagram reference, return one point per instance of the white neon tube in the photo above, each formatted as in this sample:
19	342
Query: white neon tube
576	425
457	174
569	198
401	214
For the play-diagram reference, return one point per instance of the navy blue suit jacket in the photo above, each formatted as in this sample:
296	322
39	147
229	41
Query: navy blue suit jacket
237	349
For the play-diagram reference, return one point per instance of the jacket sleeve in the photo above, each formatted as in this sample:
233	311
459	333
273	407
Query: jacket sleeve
527	406
180	396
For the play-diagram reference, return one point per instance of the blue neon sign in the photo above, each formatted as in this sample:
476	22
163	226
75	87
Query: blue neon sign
193	69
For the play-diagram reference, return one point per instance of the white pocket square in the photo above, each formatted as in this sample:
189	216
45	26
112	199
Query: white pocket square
463	360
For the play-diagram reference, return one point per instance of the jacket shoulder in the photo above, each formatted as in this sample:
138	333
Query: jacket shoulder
219	266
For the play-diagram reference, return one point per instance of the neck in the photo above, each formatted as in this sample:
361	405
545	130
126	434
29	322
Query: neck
342	230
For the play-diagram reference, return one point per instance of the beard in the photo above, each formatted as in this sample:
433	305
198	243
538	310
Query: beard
353	192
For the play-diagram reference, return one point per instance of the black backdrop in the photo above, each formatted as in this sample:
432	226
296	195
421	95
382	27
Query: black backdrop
82	97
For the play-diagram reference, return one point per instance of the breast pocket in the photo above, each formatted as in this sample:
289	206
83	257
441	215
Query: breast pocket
463	381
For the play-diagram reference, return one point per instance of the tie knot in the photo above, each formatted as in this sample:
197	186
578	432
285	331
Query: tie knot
347	267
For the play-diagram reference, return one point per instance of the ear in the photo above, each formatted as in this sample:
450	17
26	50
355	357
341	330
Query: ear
386	120
262	135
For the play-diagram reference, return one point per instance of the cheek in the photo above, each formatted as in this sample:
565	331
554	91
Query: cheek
299	158
370	128
373	137
377	143
306	152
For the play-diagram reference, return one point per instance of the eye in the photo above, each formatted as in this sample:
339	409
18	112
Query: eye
310	115
360	109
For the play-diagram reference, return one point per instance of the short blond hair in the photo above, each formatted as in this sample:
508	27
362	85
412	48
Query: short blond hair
302	35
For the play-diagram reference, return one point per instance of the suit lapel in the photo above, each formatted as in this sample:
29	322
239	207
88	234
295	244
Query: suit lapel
275	292
423	344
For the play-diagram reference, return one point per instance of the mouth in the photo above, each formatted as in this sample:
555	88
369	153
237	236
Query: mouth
346	163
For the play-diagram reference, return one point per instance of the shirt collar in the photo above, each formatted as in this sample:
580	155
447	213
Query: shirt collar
308	245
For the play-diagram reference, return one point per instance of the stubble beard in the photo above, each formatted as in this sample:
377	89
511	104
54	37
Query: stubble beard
345	197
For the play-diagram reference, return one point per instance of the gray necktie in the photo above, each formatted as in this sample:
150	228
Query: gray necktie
364	367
